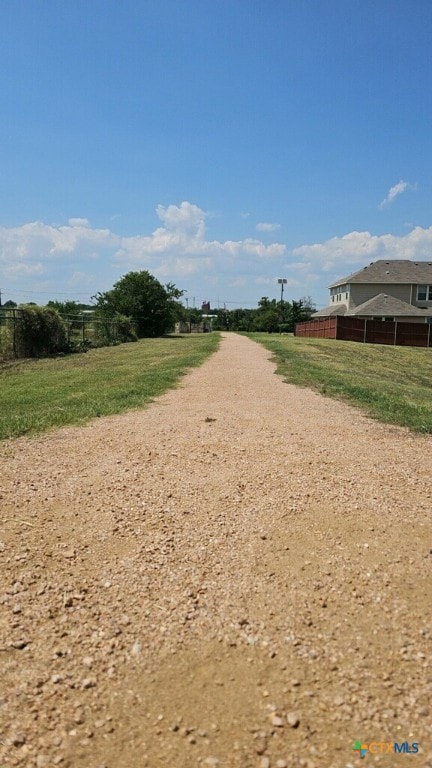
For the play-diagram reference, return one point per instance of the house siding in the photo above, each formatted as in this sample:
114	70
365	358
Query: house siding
359	293
421	304
405	319
399	319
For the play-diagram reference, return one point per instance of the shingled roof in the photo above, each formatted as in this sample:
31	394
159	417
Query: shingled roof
332	309
393	271
388	306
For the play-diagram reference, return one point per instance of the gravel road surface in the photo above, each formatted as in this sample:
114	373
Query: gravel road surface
238	576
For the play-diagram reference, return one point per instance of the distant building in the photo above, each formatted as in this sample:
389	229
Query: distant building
398	289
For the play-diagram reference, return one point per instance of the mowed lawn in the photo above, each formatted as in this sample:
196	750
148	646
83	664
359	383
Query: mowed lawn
36	395
392	384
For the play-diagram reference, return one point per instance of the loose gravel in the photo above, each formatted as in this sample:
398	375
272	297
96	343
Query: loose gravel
238	576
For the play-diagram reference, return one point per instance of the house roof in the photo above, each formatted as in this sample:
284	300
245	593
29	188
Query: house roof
384	305
332	309
392	271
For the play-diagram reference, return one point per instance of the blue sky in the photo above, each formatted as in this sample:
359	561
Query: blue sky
220	145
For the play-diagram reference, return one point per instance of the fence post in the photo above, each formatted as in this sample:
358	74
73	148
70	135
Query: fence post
428	341
14	332
364	333
395	334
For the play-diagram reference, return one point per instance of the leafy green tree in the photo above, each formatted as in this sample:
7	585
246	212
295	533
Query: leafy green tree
299	311
275	316
140	296
242	319
308	306
178	310
10	304
194	315
223	320
269	315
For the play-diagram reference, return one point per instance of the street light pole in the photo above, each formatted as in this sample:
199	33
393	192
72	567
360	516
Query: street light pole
282	281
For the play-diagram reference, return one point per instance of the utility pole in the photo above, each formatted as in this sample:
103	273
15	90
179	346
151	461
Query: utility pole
188	320
282	281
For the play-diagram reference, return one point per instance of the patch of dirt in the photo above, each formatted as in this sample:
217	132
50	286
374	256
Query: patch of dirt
238	576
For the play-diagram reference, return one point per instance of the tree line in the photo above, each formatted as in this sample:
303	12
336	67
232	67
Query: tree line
271	316
137	306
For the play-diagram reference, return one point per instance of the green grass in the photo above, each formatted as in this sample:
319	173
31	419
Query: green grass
41	394
392	384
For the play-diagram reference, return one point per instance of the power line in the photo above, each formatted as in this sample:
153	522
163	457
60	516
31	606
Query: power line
24	292
239	303
44	293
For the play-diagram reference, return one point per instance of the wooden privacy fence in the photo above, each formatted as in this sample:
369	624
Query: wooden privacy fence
367	331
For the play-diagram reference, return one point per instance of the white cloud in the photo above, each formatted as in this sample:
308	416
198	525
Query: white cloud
362	247
178	248
291	282
184	235
77	256
248	247
262	280
394	191
184	217
22	269
266	226
79	222
37	240
81	280
182	267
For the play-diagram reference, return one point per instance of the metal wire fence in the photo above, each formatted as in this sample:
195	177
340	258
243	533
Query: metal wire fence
81	331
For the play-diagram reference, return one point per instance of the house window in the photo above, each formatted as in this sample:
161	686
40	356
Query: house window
338	291
424	293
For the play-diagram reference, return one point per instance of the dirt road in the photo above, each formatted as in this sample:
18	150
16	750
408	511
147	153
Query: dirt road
238	576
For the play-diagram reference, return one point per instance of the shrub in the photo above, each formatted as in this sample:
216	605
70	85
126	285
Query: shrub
124	329
39	331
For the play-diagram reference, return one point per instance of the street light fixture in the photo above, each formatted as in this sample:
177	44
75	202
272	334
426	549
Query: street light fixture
282	281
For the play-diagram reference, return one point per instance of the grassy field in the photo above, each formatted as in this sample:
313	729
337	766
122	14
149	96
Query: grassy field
392	384
40	394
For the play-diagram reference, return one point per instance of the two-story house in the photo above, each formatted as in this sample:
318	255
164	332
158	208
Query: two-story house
397	289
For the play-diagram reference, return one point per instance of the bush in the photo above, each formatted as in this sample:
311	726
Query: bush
6	340
116	329
39	331
124	329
